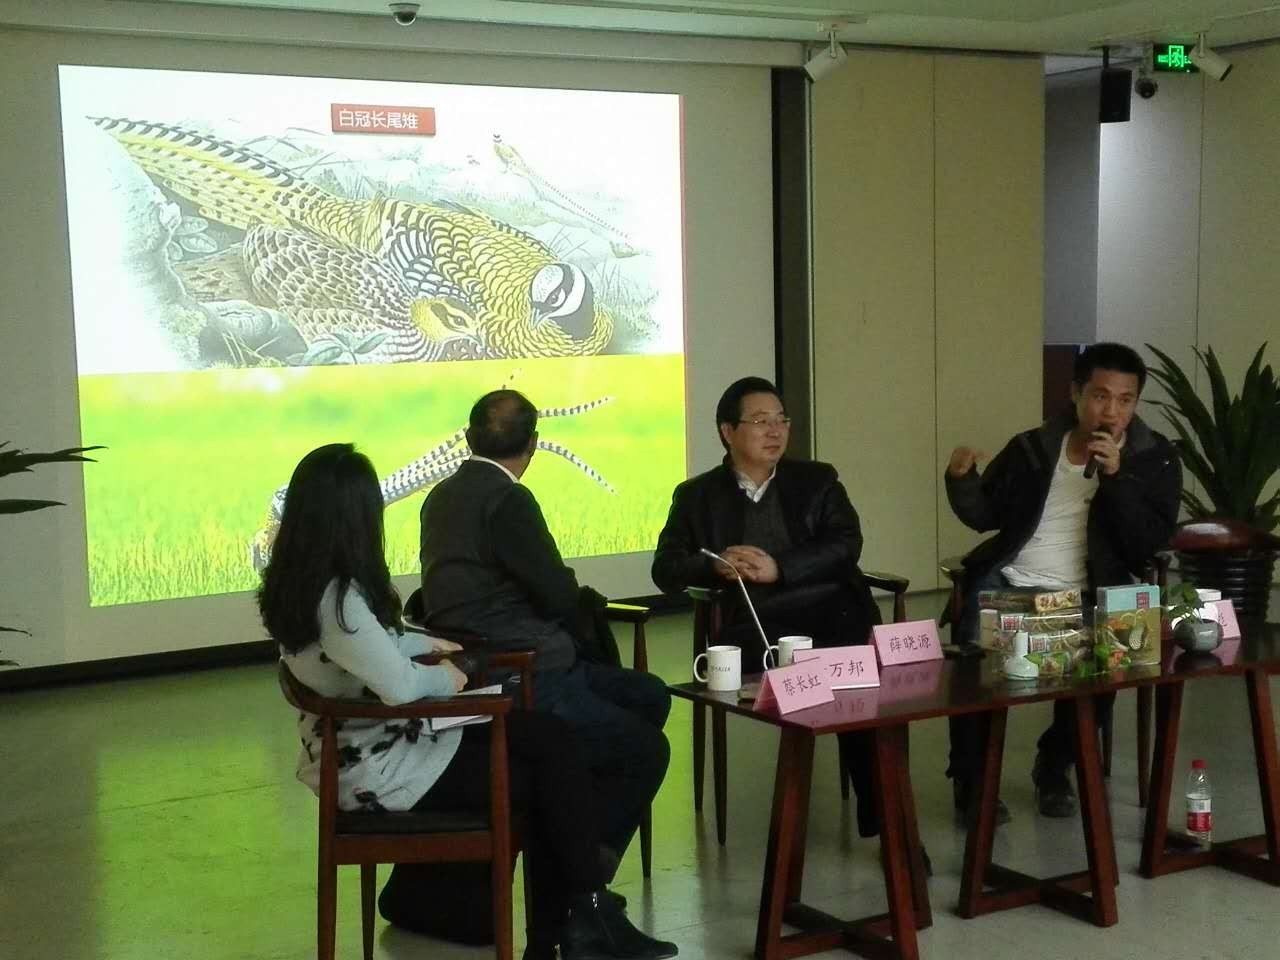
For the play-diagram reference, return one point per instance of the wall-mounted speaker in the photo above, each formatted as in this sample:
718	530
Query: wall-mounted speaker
1113	105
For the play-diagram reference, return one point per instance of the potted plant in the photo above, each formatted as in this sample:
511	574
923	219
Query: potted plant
21	461
1231	448
1192	630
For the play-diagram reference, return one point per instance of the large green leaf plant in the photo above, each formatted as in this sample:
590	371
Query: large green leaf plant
1233	449
21	461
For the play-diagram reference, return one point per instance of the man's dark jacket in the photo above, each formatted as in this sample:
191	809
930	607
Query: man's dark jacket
1132	515
826	537
490	565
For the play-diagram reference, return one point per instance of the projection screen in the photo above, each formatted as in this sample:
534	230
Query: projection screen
263	264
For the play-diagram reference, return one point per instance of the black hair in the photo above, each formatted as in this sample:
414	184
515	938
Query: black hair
331	528
729	409
502	425
1109	356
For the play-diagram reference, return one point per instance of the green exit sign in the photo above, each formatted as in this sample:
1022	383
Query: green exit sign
1172	58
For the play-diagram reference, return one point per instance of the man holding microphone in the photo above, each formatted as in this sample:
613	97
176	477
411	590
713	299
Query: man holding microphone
1084	500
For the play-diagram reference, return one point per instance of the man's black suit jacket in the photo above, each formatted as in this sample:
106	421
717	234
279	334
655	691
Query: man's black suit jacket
490	565
821	565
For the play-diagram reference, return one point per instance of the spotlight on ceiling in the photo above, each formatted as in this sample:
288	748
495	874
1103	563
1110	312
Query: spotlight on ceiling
1211	63
830	57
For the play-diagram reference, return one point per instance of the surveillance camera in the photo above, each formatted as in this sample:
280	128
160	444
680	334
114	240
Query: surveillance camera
404	13
1146	87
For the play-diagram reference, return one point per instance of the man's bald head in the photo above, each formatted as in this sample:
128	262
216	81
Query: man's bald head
503	425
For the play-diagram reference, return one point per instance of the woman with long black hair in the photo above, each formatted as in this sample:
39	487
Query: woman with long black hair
328	601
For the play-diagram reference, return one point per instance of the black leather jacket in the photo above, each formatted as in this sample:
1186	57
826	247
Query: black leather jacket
709	511
1132	515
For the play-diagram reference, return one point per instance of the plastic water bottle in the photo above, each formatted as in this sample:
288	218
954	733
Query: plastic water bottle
1199	804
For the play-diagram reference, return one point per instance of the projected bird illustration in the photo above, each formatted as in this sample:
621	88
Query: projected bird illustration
514	163
425	280
437	463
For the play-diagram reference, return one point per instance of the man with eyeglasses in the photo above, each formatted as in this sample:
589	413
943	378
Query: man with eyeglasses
788	528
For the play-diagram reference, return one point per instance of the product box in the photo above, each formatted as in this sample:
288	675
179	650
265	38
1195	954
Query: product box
1061	632
1129	617
1028	600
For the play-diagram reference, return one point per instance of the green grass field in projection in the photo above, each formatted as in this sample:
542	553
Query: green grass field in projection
194	458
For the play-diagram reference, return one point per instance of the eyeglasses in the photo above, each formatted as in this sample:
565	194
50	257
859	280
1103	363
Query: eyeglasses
780	422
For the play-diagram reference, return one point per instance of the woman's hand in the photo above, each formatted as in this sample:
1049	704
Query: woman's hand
457	676
441	645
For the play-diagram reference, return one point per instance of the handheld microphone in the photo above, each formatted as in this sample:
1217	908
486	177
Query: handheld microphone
1091	467
743	586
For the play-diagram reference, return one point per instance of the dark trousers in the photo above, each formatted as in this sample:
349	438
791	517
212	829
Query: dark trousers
551	785
618	716
1055	744
835	621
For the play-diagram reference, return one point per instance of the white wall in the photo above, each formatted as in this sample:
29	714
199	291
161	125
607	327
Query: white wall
928	282
1189	202
1148	223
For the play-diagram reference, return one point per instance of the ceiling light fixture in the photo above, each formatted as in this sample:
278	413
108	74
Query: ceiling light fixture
1209	62
830	58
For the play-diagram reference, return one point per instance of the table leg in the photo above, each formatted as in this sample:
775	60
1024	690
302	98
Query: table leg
1156	829
898	879
720	771
911	832
986	887
1264	747
699	753
1095	815
800	834
790	796
1165	851
1144	745
982	814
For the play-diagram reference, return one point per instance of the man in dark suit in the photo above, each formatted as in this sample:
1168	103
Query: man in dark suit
788	528
490	565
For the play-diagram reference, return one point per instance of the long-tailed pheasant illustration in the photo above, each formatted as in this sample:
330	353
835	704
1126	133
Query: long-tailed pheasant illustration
440	271
442	460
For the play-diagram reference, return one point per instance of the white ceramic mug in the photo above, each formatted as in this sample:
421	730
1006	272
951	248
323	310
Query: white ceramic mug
784	652
724	668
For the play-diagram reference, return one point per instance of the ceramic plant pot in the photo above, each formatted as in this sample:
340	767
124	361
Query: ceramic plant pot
1197	636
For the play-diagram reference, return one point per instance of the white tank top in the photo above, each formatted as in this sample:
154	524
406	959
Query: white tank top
1054	557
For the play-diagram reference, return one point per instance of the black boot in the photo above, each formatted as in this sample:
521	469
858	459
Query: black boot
963	795
1054	795
599	930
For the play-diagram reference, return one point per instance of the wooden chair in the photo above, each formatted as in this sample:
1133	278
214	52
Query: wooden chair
637	616
368	839
708	620
1158	573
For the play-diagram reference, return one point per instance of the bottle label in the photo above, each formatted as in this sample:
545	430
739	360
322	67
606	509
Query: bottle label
1199	815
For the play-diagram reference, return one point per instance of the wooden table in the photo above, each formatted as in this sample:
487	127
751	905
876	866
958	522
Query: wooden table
1255	658
948	688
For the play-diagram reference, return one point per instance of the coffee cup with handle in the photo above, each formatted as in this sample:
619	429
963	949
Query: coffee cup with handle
784	651
723	668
